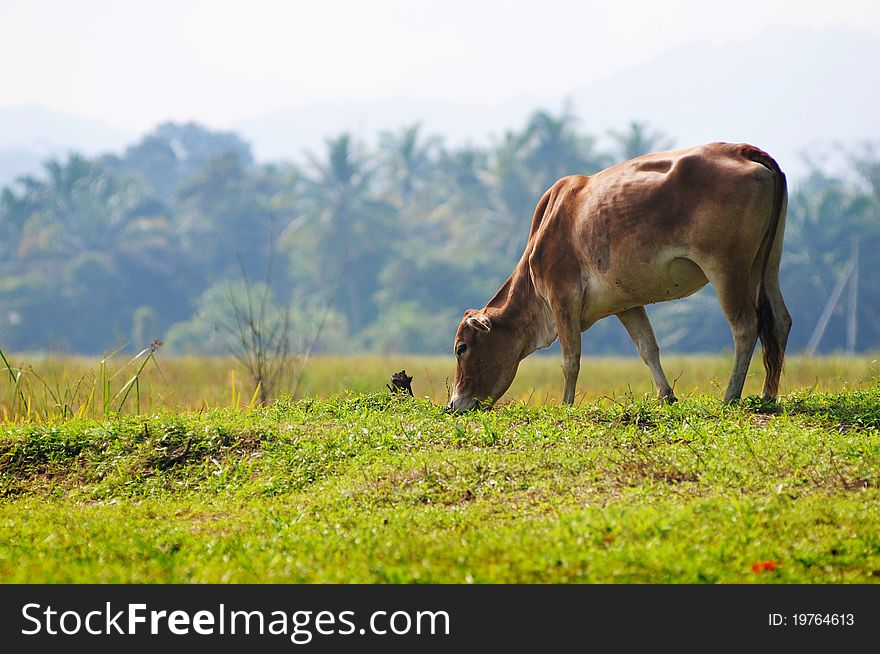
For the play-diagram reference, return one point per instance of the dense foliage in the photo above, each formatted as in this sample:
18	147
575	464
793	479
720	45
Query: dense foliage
397	239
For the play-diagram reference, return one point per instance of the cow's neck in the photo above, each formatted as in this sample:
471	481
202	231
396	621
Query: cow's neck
519	306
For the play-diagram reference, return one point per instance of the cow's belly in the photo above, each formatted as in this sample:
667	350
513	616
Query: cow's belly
666	277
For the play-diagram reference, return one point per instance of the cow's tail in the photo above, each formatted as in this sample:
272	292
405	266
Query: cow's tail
772	342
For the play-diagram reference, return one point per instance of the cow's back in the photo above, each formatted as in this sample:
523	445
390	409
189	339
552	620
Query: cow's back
634	230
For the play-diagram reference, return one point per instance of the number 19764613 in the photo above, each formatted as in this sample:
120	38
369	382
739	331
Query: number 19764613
811	619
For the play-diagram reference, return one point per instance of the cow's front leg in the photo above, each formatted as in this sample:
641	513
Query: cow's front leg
571	367
569	330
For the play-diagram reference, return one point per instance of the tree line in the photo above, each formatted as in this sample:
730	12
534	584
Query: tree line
377	247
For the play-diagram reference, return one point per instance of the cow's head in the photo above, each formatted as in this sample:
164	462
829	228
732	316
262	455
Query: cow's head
487	356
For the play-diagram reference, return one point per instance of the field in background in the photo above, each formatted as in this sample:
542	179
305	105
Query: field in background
195	383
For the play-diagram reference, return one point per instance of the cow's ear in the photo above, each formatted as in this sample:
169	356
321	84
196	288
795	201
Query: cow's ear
479	320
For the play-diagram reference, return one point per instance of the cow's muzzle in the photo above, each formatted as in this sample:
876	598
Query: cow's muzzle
459	405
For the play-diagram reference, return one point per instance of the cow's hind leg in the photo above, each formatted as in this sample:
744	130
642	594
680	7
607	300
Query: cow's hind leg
737	295
642	334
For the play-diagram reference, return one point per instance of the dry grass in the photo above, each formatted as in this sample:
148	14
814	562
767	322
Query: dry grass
194	383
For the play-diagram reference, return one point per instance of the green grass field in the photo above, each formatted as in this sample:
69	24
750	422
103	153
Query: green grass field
365	487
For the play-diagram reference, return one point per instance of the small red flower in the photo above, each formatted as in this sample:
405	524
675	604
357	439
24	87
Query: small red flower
765	566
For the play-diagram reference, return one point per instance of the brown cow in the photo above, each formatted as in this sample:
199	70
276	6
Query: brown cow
655	228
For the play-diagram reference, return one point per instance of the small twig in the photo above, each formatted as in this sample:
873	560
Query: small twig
169	461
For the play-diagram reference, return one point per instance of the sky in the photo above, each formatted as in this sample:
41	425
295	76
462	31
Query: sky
132	65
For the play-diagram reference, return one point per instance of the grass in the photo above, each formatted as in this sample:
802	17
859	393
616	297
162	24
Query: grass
366	487
57	387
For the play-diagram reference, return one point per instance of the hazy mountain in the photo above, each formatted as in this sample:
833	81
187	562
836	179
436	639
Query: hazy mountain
31	134
786	91
288	132
36	128
15	163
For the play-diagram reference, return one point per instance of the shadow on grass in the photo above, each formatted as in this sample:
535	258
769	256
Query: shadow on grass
852	409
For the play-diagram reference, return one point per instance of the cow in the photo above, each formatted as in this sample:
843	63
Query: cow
654	228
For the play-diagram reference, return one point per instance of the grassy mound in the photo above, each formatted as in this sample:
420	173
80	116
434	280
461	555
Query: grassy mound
375	488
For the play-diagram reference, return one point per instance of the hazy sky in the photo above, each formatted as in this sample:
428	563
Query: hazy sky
134	64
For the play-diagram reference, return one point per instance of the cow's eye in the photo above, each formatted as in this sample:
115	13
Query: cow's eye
460	349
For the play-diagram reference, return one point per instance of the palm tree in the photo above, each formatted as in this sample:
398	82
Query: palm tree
225	197
554	149
81	208
524	165
87	244
823	217
638	140
512	193
408	160
341	240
